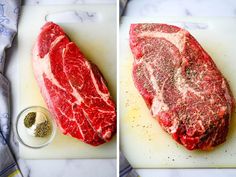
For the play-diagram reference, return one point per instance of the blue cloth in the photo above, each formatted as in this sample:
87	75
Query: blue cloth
125	168
9	10
122	6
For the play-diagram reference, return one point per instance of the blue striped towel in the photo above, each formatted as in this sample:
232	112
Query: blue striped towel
9	10
125	168
122	6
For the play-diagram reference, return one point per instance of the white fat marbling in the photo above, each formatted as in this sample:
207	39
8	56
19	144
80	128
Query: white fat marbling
106	168
211	8
64	167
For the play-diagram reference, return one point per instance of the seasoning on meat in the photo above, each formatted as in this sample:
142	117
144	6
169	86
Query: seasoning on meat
181	85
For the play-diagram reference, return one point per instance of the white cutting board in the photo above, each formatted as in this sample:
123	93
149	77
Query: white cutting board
97	40
143	141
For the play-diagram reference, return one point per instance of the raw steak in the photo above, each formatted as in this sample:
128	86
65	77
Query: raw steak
73	88
181	85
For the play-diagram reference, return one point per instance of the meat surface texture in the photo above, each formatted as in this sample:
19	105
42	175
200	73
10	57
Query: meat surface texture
73	88
181	85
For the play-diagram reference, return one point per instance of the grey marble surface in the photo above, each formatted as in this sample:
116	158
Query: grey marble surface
68	168
52	2
204	8
212	8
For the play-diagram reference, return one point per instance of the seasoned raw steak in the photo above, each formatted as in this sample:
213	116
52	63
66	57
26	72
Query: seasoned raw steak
73	88
181	85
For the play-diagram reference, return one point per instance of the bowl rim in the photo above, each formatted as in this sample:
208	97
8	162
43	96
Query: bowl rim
54	127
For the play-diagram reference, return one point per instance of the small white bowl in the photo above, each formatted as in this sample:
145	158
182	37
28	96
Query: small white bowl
31	141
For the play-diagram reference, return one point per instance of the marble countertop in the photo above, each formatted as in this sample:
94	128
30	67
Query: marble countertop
207	8
53	2
142	8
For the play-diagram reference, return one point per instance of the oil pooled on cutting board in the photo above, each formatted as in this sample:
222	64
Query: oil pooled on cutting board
143	141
